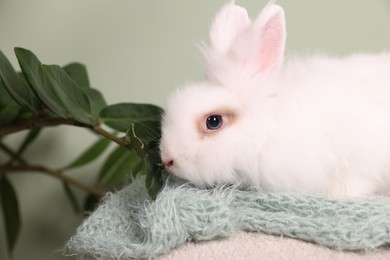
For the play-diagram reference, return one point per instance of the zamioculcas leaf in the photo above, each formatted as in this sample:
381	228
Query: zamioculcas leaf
25	114
153	183
9	109
90	154
124	169
17	86
72	97
71	197
32	69
11	214
90	203
147	131
120	165
96	101
138	168
121	117
30	137
5	97
115	156
8	114
153	171
78	72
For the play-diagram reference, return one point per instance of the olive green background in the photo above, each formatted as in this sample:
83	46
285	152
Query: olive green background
140	51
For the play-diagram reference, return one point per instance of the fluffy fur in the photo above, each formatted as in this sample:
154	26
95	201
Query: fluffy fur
314	124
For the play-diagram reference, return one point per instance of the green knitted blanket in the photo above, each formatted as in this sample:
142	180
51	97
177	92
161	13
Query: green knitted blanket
128	224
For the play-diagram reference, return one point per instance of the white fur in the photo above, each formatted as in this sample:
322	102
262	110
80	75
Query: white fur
314	124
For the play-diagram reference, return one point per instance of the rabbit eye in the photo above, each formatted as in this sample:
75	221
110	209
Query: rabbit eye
214	122
211	124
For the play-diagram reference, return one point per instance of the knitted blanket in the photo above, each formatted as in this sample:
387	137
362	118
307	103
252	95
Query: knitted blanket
128	224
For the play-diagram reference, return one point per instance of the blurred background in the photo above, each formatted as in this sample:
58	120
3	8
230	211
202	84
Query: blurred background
140	51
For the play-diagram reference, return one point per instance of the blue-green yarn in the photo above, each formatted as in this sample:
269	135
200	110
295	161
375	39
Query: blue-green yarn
128	224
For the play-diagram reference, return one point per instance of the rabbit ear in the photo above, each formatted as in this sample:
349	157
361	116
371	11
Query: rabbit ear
240	49
228	23
269	37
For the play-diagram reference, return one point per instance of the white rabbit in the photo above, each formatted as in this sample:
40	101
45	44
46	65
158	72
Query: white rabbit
315	124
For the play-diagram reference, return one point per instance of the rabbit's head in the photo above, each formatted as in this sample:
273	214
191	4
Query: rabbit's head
209	128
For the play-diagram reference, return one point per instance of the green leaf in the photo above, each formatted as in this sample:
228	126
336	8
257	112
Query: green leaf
78	72
17	86
11	214
39	82
71	95
30	137
91	202
121	116
115	156
120	165
138	168
153	184
90	154
9	109
125	170
9	113
154	169
71	197
5	97
96	101
25	114
142	140
141	121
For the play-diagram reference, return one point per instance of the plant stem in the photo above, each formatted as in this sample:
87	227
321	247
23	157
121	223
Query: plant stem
111	137
55	121
54	173
39	122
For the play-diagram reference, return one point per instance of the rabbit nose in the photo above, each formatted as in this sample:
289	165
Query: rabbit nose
168	163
